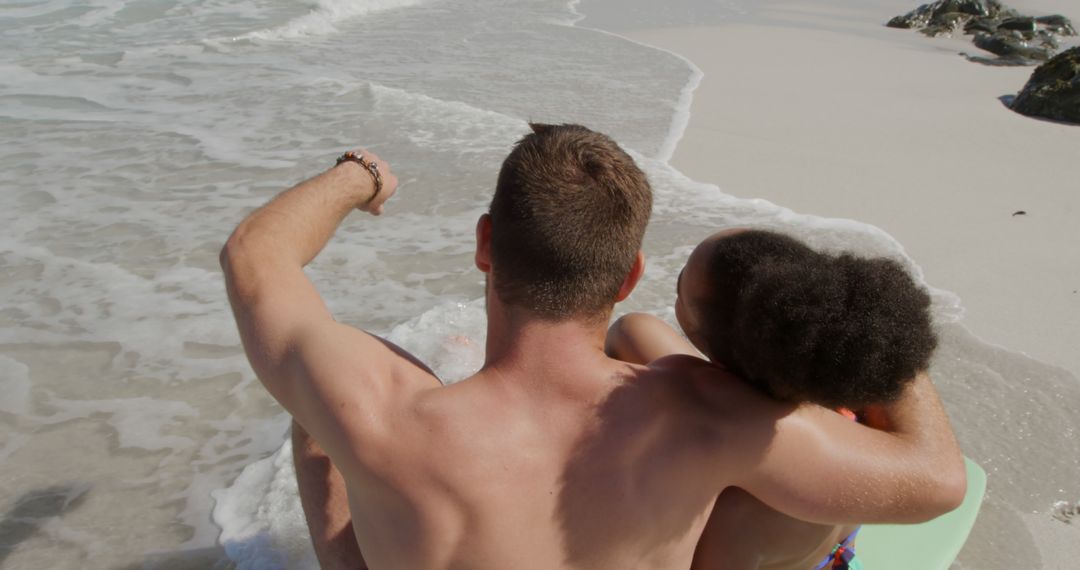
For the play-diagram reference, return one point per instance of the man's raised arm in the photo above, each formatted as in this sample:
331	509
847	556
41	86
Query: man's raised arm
324	373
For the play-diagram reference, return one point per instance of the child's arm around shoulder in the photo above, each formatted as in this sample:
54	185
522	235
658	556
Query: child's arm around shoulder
805	460
816	465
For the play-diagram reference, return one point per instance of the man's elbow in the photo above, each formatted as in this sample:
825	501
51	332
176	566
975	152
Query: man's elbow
237	266
232	249
238	255
223	258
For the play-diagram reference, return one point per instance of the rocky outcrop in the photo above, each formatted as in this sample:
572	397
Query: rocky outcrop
942	16
1016	39
1053	91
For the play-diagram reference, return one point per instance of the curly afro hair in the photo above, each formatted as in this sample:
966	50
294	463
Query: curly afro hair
839	331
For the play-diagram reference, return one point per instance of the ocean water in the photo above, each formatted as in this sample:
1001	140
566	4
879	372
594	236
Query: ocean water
137	133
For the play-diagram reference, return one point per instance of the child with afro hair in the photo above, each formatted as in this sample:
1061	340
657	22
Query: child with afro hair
840	331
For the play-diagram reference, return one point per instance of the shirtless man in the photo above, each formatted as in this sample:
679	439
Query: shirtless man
843	332
553	455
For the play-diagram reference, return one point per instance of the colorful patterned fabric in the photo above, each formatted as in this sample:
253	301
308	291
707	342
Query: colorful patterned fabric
843	556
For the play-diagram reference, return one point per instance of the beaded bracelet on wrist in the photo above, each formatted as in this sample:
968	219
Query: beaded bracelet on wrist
370	166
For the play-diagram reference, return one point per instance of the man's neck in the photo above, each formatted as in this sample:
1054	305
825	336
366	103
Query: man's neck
522	349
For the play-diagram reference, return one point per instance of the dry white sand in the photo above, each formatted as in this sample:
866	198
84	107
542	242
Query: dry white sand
818	107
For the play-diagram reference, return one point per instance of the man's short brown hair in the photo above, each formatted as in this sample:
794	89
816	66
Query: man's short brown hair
568	217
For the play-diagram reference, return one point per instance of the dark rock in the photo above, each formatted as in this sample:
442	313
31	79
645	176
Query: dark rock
998	29
1057	24
1053	91
951	19
1024	24
988	25
1047	40
1000	11
901	22
1008	45
970	7
945	23
917	18
933	14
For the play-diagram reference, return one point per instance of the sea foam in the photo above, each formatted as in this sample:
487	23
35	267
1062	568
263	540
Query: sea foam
325	18
263	526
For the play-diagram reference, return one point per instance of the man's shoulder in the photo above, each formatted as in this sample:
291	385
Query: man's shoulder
685	363
718	396
690	372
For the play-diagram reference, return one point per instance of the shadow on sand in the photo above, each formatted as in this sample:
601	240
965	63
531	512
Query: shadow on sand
35	508
212	558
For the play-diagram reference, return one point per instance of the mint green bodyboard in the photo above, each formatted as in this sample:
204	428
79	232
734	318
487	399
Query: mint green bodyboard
932	545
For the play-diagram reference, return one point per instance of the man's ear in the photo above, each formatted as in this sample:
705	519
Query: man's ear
483	243
632	278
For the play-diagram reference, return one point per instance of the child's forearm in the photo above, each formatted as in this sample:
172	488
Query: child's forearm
641	338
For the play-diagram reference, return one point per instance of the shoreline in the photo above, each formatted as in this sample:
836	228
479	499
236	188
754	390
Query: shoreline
939	176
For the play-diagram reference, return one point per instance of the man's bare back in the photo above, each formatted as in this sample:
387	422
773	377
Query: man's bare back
501	470
553	455
616	466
